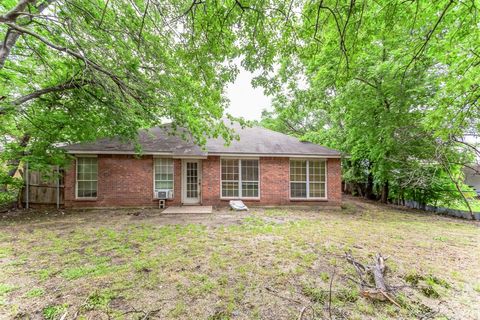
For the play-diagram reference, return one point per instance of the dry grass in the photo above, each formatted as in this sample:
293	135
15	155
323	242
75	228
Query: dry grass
267	264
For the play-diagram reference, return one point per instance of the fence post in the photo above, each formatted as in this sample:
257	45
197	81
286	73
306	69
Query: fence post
58	188
27	182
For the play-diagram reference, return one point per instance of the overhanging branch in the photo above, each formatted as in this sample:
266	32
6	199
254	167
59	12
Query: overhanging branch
16	11
69	85
428	37
123	87
73	84
11	36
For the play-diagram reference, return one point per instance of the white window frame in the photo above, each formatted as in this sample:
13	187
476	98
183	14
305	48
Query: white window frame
307	197
155	171
239	179
76	177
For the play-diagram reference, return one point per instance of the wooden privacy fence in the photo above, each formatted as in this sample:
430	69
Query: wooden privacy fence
43	188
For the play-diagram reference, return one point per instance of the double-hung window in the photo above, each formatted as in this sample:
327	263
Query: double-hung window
87	172
164	174
308	179
239	178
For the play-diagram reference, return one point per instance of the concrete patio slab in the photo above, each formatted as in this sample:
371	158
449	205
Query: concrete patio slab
188	209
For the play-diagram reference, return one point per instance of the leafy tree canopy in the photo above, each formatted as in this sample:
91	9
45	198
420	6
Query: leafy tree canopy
394	84
75	70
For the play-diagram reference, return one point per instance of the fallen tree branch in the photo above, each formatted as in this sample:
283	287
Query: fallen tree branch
146	314
359	283
304	309
276	294
390	299
330	293
302	312
378	270
360	268
379	290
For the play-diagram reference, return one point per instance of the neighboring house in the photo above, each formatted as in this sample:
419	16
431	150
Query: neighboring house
472	177
263	167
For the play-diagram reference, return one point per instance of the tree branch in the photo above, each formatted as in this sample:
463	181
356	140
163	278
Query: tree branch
69	85
475	148
73	84
455	182
429	36
11	36
103	13
16	11
366	82
88	62
343	47
14	163
143	23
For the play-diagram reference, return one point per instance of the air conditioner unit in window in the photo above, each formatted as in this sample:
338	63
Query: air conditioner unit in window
164	194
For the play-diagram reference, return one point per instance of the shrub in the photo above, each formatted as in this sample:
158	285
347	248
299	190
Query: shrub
9	189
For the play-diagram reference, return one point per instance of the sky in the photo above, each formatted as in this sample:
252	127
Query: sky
246	101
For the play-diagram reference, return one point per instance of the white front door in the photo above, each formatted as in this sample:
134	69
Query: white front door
191	181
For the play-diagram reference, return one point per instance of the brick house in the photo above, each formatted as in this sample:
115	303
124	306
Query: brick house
263	167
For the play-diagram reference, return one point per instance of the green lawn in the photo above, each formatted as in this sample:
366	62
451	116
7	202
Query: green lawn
266	264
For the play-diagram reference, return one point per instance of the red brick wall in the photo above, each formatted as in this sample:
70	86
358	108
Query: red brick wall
177	183
274	183
210	192
124	180
334	180
274	180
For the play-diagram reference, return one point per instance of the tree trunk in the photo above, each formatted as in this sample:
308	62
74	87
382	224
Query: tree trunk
459	189
14	163
358	187
6	47
385	191
369	187
11	36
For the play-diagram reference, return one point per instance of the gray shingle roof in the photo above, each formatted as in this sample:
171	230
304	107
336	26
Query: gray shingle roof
253	141
158	140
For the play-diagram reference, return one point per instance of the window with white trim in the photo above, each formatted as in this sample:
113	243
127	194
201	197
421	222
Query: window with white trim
308	179
163	174
239	178
87	173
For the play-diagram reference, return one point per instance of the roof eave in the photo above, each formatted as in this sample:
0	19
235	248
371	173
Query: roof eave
222	154
279	155
147	153
114	152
